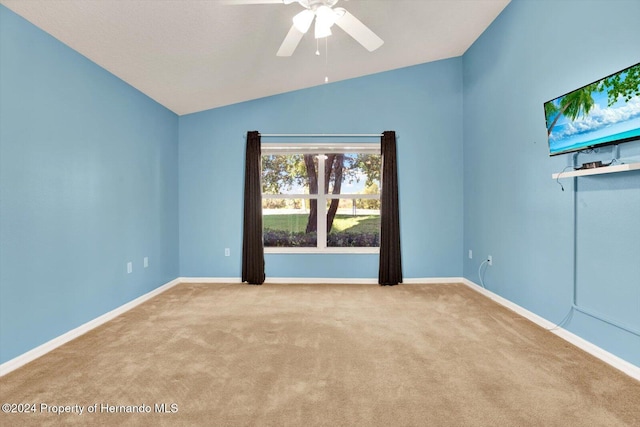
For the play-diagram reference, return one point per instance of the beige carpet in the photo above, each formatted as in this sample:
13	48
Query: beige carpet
322	355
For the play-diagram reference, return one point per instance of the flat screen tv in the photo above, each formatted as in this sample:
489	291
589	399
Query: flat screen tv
604	112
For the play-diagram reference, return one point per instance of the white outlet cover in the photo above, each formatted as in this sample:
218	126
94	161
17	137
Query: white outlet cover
146	262
129	267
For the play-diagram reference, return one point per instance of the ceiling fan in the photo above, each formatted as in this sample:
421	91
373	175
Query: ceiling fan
325	16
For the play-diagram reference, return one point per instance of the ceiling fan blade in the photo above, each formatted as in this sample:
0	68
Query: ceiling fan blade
290	42
360	32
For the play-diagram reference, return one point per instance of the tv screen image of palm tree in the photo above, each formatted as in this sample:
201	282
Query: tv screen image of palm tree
299	195
602	112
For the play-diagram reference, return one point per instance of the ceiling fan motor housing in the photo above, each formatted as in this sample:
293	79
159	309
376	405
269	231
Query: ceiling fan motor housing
313	4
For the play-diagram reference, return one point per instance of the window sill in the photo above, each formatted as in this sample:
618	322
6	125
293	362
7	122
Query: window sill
278	250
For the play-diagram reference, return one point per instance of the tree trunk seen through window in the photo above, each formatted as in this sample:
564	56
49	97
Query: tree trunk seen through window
312	223
334	166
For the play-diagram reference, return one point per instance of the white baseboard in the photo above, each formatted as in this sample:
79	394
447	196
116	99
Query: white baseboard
618	363
360	281
283	280
321	280
209	280
611	359
23	359
433	281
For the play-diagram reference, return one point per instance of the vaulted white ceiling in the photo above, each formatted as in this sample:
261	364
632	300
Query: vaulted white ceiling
193	55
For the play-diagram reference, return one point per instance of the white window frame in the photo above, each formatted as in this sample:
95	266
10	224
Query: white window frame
320	149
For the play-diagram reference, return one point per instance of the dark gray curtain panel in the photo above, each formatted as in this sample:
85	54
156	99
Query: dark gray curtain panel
390	272
252	245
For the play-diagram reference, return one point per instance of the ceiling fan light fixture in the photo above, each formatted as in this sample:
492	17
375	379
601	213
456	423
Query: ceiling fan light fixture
303	20
322	30
325	18
326	14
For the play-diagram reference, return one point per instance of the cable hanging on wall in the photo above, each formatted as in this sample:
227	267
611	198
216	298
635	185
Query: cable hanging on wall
575	306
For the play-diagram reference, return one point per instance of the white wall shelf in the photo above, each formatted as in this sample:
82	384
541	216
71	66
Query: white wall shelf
597	171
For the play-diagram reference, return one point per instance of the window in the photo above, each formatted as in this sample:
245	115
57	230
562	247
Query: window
321	197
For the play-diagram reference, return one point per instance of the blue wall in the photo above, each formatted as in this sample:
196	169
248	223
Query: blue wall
88	173
513	210
89	176
423	104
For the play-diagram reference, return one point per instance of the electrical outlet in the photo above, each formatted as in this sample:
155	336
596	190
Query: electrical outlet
129	267
490	259
145	262
470	254
227	252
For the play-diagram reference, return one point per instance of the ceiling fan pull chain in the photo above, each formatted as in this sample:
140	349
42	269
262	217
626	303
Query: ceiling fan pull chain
326	59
